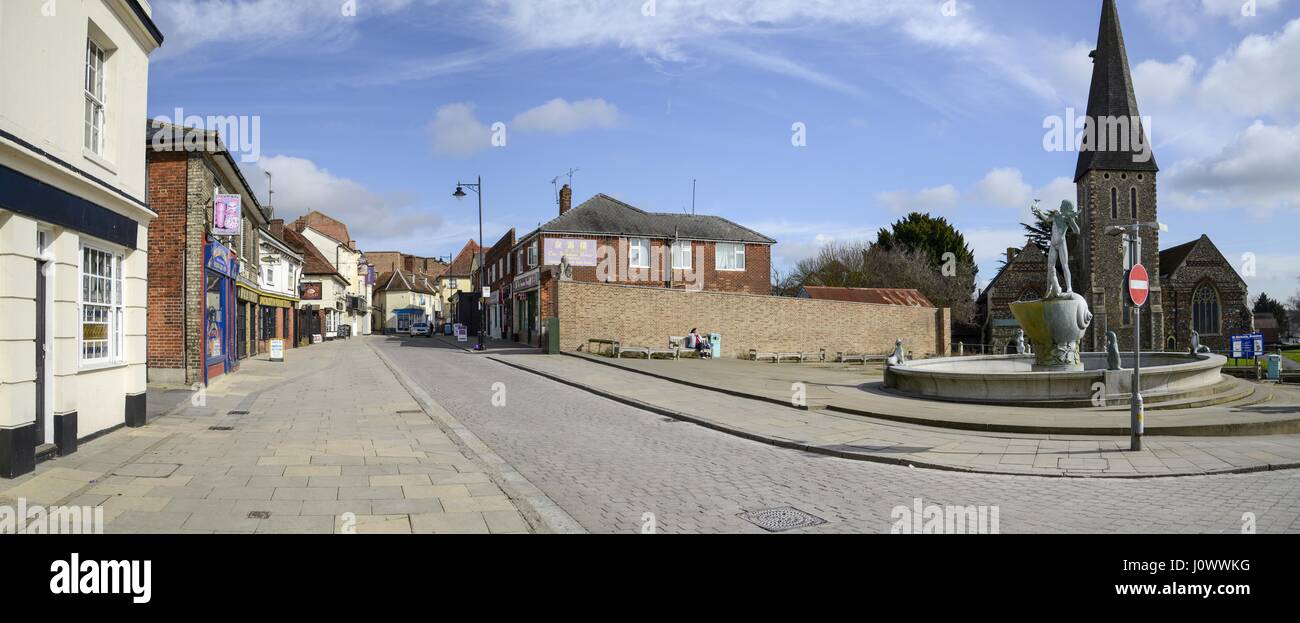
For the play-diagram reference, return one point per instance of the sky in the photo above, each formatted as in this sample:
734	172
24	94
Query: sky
809	121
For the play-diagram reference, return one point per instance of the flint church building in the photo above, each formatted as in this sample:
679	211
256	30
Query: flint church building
1198	288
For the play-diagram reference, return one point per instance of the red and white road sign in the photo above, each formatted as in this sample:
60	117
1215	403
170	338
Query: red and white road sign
1138	285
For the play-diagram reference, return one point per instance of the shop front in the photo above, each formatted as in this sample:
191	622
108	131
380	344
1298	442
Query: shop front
525	289
276	321
247	321
219	318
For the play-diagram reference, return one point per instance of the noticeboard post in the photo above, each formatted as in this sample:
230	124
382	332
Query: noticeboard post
277	350
1247	346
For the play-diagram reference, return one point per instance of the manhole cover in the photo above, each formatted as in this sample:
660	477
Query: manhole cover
221	428
259	515
781	519
236	413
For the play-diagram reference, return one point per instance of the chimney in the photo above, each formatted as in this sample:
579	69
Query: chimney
1012	252
566	199
277	227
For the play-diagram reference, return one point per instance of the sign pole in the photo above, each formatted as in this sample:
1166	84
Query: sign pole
1137	415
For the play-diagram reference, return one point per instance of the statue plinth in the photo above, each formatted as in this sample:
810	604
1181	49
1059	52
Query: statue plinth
1055	325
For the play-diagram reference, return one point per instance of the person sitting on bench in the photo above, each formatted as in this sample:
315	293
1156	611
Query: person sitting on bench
699	343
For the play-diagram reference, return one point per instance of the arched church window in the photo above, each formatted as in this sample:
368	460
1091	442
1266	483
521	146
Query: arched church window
1205	310
1029	294
1133	201
1114	203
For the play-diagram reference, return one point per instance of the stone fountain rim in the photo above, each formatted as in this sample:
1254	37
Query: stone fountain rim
1204	361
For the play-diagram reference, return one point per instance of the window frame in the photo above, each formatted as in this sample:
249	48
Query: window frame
95	88
677	253
1133	202
1216	300
638	249
737	250
114	342
1114	203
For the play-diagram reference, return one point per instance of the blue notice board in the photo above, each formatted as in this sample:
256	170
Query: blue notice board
1248	345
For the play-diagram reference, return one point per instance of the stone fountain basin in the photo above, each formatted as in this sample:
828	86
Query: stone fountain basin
1010	379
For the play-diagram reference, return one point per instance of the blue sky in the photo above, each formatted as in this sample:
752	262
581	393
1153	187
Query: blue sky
373	117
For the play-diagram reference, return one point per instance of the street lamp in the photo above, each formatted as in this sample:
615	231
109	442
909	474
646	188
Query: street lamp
477	187
1132	237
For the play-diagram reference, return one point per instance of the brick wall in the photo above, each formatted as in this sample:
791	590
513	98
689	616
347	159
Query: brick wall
1206	266
642	316
167	248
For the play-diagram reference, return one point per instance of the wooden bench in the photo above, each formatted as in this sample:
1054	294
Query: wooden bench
755	355
649	353
612	344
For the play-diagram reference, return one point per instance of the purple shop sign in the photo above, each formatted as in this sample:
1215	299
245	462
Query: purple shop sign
226	213
580	251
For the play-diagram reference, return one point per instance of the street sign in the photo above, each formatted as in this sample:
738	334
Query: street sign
1138	285
487	292
1247	345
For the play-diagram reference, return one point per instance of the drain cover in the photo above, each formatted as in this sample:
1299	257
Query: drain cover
781	519
259	515
221	428
236	413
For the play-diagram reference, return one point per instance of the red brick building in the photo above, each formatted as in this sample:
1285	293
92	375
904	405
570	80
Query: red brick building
498	273
605	240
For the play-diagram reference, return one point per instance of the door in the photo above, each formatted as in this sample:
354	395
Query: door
40	352
241	329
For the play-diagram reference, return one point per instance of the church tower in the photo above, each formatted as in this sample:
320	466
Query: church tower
1116	183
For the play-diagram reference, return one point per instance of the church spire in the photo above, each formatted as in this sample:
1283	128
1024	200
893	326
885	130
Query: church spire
1111	97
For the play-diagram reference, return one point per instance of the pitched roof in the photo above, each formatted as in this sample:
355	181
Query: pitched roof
404	281
463	265
1173	257
906	297
326	225
605	215
313	263
1111	95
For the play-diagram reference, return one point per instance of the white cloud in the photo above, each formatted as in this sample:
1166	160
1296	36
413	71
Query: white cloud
561	117
1182	19
938	199
1002	188
1258	77
457	131
990	245
372	218
250	25
1256	171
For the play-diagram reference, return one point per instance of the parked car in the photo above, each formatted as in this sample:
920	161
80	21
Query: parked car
420	328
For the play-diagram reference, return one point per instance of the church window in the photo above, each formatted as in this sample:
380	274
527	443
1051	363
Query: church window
1205	311
1114	203
1133	201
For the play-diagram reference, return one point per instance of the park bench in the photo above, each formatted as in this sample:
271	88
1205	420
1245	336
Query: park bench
755	355
649	353
612	344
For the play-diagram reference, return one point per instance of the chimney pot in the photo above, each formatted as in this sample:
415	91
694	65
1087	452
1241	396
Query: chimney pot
566	199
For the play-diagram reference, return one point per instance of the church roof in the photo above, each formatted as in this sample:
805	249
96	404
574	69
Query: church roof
1173	257
1111	96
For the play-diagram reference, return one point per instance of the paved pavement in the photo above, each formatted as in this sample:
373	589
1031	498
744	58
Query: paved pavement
854	436
608	465
328	441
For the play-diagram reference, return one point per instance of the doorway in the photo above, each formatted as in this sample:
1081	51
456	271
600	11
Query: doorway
42	308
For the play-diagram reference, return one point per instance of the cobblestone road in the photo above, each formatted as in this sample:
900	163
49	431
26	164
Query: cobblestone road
608	464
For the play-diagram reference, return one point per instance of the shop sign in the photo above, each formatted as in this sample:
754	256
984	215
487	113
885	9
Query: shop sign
579	251
527	281
221	259
311	291
226	215
246	295
277	350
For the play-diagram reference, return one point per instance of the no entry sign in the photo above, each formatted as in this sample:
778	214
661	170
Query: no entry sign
1139	285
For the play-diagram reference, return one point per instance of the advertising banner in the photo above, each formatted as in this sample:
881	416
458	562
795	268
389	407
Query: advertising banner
226	212
579	251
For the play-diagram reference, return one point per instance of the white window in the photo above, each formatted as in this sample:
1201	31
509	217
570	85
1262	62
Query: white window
638	253
101	306
270	277
730	256
94	131
532	255
682	255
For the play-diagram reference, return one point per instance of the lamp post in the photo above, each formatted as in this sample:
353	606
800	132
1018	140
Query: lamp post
477	187
1132	239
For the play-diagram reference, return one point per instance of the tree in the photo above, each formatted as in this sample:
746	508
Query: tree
1040	232
931	236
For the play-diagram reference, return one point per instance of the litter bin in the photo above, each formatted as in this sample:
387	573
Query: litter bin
715	345
1275	367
